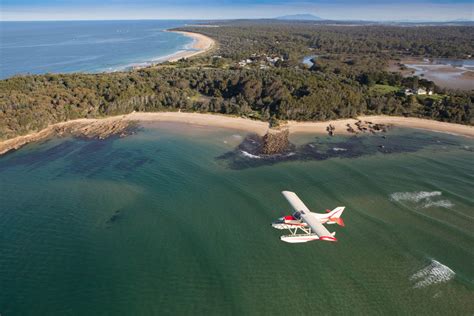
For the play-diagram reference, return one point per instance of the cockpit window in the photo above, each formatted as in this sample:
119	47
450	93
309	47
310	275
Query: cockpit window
297	215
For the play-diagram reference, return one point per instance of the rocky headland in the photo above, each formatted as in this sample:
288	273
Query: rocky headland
87	128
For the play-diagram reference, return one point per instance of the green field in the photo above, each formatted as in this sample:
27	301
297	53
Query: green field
383	89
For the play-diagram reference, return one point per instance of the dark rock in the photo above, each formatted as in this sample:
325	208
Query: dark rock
330	129
247	154
275	142
116	216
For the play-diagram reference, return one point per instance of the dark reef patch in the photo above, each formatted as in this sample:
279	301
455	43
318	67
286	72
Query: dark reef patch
84	156
114	218
99	155
247	154
37	158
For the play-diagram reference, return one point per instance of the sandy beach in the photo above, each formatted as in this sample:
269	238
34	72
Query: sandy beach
200	45
260	127
104	127
396	121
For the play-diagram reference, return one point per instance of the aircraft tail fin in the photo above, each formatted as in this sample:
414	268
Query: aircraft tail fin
335	215
338	221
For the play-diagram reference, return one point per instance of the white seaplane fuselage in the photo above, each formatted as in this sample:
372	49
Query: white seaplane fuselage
291	223
309	224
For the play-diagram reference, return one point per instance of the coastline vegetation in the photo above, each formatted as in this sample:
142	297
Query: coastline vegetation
347	79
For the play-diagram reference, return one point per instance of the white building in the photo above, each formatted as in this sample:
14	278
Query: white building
419	91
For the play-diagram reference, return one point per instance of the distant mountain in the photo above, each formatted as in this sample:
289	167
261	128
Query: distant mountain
462	20
299	17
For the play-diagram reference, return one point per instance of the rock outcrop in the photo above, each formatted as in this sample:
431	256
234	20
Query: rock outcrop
366	126
100	129
89	128
275	142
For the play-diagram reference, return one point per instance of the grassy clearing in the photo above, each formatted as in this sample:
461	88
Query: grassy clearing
436	97
383	89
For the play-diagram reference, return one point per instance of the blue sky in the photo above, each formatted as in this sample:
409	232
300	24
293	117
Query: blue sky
425	10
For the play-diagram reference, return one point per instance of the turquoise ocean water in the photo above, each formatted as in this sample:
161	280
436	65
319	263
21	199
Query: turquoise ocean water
156	223
85	46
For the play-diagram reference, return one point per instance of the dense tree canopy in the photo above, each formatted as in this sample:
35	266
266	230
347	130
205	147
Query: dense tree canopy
239	39
347	80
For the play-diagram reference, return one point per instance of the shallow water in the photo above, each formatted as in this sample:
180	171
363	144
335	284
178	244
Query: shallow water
85	46
155	223
458	63
453	77
307	60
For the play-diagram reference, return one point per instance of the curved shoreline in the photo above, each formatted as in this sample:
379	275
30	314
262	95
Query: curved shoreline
104	127
201	44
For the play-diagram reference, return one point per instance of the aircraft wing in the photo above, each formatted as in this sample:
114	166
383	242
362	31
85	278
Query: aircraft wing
295	201
306	216
317	227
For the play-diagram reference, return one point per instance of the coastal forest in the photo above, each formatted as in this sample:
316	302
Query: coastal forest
349	77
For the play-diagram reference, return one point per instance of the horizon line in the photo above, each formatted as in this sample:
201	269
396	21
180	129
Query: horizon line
260	18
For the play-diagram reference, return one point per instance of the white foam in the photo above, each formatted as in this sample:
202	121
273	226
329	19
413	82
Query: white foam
424	198
150	62
413	196
433	273
440	203
339	149
249	155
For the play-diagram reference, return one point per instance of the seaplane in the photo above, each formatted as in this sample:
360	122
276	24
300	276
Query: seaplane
305	225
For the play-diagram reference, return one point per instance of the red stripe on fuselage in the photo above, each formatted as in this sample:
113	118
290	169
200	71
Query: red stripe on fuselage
328	238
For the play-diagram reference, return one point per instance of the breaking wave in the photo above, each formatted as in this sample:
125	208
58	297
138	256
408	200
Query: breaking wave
413	196
249	155
441	203
424	198
433	273
339	149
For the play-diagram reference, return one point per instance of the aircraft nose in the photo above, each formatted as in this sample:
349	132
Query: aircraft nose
278	221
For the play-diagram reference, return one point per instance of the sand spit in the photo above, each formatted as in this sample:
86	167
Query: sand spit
117	125
444	75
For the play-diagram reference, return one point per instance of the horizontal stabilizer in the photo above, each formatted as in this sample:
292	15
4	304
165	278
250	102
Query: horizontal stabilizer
338	221
337	212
